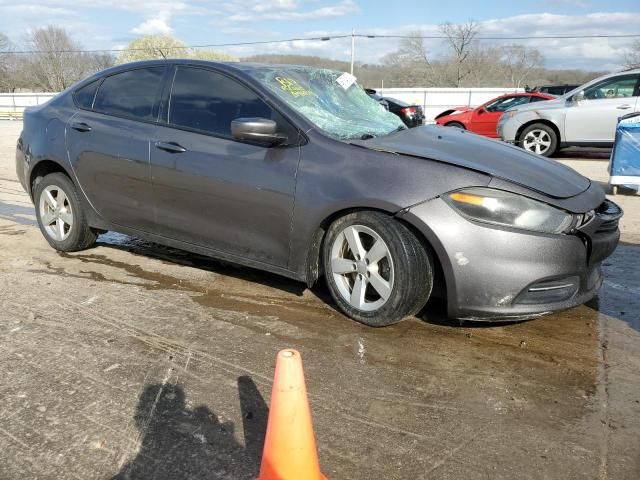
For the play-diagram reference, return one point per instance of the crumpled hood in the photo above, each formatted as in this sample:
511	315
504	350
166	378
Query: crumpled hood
467	150
454	111
560	102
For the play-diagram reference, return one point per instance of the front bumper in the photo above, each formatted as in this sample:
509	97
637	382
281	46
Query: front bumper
500	274
507	128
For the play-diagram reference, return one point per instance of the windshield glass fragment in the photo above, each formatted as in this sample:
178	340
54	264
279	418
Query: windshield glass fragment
339	108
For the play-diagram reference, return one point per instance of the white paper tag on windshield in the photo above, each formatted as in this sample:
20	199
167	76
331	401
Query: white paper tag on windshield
346	80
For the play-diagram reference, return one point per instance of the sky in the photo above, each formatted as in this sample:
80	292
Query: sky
109	24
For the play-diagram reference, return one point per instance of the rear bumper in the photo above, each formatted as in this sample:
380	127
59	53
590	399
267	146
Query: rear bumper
21	165
496	274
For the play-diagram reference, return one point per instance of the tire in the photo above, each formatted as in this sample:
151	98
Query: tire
540	139
403	264
455	125
74	234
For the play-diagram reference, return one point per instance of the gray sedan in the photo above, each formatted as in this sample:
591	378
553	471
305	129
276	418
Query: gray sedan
296	171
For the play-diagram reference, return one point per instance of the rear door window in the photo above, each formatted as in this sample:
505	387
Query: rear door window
133	93
208	101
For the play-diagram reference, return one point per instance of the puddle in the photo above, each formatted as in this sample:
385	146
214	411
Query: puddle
619	296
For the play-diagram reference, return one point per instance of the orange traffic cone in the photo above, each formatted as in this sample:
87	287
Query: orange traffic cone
290	451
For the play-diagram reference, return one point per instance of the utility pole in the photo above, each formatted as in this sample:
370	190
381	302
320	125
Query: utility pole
353	47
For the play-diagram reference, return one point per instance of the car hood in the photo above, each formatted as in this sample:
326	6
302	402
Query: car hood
454	111
467	150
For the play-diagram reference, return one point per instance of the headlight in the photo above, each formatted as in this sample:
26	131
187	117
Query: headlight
497	207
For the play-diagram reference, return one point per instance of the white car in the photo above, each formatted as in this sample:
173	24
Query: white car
586	116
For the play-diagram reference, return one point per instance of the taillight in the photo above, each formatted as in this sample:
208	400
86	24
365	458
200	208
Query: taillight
409	110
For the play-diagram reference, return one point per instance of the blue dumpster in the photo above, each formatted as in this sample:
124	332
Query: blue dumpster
624	165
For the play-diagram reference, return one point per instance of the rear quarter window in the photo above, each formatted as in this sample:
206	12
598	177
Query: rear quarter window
133	93
85	95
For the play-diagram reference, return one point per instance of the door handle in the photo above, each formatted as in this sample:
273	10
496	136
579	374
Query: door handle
624	107
81	127
171	147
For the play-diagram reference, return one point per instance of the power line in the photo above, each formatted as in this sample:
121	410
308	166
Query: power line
185	47
326	38
538	37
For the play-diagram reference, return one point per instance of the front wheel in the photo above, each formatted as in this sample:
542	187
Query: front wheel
60	215
455	125
539	139
376	269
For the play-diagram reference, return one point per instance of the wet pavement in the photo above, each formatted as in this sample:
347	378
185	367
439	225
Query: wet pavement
132	360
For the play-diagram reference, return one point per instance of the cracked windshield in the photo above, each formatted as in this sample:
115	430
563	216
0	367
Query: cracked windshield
330	100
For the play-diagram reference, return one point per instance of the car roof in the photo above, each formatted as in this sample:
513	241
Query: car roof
522	94
240	66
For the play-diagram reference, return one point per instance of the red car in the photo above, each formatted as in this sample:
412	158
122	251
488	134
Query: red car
484	119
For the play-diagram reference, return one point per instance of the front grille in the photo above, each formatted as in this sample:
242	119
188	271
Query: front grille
609	214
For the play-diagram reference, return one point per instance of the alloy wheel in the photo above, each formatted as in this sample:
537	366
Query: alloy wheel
55	213
362	267
537	141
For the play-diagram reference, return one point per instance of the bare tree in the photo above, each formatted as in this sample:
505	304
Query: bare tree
4	60
460	38
4	47
519	61
56	61
632	57
97	61
413	60
485	67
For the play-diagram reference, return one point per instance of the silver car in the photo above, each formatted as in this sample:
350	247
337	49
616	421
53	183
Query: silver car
584	117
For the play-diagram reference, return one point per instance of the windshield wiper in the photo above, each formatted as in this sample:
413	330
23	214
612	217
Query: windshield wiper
367	136
400	128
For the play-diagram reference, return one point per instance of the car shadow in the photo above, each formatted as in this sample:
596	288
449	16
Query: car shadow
180	443
17	214
435	312
621	189
140	247
583	153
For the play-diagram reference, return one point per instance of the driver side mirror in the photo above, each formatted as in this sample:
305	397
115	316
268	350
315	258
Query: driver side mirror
260	130
481	111
578	97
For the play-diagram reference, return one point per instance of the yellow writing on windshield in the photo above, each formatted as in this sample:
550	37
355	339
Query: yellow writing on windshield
294	88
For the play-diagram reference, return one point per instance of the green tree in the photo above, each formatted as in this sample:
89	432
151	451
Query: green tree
212	55
152	47
165	46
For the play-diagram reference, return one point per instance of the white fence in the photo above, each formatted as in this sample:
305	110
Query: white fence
433	100
12	104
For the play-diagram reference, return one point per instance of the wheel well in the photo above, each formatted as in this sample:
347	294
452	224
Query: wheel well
315	266
42	169
548	123
453	122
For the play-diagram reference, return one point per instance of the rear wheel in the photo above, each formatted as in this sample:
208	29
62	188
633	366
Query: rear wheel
60	215
539	139
455	125
377	271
